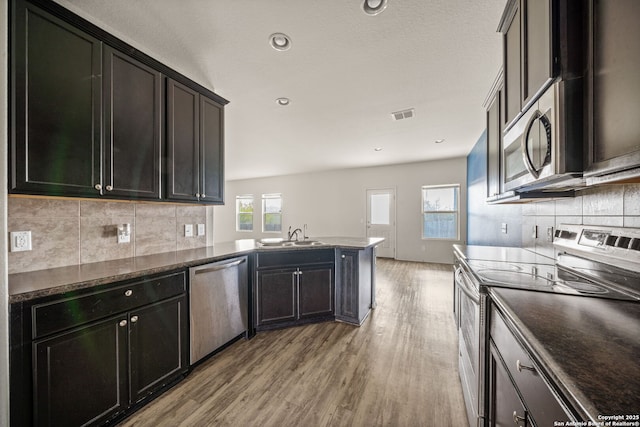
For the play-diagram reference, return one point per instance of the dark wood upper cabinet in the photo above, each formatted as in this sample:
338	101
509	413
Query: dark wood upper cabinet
183	142
194	146
543	40
512	65
537	52
211	151
494	146
615	88
56	91
88	116
133	127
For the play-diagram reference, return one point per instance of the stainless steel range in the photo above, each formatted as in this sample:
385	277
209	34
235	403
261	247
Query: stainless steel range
591	261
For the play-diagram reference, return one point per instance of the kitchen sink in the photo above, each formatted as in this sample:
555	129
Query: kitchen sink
282	243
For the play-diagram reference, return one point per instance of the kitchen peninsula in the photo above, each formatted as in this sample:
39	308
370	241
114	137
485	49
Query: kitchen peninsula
131	309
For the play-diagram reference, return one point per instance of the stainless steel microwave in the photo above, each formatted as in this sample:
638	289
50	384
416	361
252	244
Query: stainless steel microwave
543	150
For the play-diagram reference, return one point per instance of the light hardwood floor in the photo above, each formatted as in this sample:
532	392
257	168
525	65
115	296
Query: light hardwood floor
398	369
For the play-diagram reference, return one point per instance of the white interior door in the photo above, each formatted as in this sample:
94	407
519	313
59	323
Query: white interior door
381	220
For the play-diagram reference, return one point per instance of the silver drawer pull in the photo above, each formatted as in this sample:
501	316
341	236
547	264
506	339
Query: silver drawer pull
128	293
123	323
109	188
98	187
134	319
517	418
520	367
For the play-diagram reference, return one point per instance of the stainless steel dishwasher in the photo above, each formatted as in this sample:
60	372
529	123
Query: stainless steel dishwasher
218	305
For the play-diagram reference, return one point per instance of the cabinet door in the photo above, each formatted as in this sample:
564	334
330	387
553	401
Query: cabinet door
347	286
183	134
56	100
616	83
537	50
505	407
211	151
276	296
512	68
81	375
494	147
158	345
315	291
132	141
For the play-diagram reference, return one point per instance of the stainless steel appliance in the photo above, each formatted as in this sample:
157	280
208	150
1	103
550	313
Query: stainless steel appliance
591	261
218	305
543	150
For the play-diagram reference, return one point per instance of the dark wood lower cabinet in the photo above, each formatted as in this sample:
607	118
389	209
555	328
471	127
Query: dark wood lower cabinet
157	354
505	407
75	363
81	375
354	289
294	295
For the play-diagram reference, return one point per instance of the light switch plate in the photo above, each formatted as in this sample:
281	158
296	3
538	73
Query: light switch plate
20	241
188	230
200	229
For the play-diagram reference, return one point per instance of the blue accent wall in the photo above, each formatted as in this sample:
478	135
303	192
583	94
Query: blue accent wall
484	221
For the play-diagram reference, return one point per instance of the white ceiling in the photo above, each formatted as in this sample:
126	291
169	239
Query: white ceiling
345	73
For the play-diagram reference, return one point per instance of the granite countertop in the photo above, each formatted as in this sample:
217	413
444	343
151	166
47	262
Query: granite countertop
34	284
589	346
500	254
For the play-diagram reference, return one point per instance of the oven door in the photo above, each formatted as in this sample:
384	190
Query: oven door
468	345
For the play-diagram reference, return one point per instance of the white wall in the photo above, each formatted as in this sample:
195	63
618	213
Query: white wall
334	204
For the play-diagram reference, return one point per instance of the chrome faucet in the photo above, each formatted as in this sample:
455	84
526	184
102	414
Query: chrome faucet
295	232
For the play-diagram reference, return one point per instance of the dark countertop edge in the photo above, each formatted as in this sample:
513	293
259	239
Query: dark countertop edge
552	372
126	269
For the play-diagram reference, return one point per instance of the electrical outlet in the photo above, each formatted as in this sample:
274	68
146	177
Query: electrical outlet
200	229
549	234
188	230
20	241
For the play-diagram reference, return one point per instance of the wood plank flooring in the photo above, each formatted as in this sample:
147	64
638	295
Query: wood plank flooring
398	369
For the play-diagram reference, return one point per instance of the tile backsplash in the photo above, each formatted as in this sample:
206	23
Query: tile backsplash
611	205
72	232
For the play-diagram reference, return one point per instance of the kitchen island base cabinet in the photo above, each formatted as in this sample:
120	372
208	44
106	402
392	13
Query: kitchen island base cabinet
294	296
354	290
294	287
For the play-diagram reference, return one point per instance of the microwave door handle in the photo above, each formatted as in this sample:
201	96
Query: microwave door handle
525	145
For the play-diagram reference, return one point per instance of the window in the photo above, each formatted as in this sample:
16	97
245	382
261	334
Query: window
244	213
440	212
271	213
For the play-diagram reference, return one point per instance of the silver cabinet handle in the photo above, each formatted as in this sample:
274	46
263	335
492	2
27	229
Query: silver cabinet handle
216	267
517	418
98	187
109	188
520	366
203	195
134	319
198	195
343	256
128	293
123	323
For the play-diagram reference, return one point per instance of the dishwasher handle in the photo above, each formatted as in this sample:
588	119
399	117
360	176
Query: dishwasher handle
218	267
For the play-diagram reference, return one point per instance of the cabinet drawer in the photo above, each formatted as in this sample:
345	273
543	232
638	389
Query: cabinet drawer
539	399
65	313
279	258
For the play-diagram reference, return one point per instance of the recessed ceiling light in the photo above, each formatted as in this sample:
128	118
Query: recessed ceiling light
378	149
280	41
439	141
374	7
283	101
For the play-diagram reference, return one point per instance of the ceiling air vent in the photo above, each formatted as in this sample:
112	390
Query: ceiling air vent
404	114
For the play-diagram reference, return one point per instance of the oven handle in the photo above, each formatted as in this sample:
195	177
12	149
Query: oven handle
468	289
